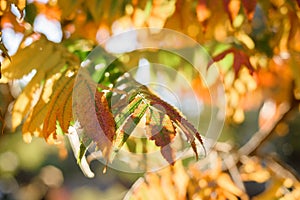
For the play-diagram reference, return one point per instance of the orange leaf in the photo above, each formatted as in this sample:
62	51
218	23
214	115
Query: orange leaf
177	118
203	12
160	129
34	123
232	8
104	116
60	107
51	12
91	104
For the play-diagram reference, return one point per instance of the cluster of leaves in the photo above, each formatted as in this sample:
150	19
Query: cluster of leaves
251	31
207	180
45	105
46	98
119	116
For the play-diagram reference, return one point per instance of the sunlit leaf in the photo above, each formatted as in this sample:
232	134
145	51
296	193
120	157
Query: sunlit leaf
101	133
232	8
26	100
34	122
123	132
240	59
160	129
203	12
60	107
127	111
25	60
176	117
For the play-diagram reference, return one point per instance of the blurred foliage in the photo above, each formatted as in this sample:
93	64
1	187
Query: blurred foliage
206	180
255	43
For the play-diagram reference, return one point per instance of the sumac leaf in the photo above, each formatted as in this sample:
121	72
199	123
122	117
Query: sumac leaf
105	120
175	116
60	107
159	128
127	111
93	113
123	133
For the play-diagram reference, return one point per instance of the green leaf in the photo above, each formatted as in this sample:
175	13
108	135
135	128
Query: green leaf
127	111
123	133
59	130
81	153
161	129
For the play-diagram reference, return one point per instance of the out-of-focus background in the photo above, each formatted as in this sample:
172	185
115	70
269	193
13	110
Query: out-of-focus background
257	48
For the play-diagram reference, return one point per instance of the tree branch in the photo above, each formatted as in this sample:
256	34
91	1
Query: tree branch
265	132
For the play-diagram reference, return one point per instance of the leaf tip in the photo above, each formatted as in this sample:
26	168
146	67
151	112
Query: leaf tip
27	137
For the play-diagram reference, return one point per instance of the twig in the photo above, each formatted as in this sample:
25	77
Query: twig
229	161
263	134
281	169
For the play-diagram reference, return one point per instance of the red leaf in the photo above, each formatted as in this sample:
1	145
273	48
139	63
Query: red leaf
249	6
91	104
104	116
160	129
177	118
240	59
220	56
168	154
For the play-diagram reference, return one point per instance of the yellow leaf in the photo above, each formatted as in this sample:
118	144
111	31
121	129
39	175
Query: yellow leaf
60	106
27	98
25	60
34	122
24	100
21	4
